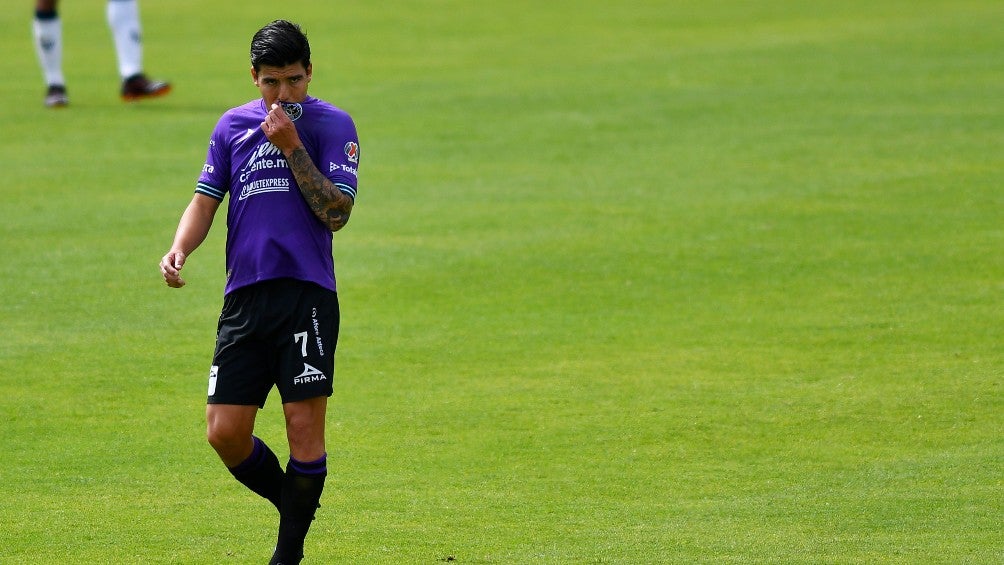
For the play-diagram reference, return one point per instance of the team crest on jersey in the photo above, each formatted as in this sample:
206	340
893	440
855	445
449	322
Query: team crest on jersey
352	151
293	110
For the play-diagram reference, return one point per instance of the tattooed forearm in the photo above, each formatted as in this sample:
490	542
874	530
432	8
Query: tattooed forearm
329	204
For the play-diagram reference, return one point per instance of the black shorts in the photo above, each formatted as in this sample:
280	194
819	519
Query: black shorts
279	333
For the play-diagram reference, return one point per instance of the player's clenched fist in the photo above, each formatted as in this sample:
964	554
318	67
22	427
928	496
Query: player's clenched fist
170	267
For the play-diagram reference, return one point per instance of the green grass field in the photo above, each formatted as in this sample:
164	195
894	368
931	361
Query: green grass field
626	282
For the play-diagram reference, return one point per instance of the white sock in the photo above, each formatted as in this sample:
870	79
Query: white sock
123	19
49	46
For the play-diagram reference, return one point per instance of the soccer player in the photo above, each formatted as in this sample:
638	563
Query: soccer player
288	162
123	19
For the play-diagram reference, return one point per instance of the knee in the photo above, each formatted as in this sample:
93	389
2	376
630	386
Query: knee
228	430
299	425
232	448
219	436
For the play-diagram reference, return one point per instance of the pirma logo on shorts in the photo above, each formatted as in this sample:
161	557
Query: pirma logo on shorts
310	374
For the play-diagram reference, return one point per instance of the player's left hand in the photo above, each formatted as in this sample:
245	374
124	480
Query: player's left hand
279	129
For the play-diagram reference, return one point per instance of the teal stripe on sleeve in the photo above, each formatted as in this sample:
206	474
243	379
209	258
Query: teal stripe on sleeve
210	191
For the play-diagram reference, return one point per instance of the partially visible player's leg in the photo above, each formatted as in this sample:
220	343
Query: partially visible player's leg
306	363
123	19
47	31
305	475
305	427
239	382
229	429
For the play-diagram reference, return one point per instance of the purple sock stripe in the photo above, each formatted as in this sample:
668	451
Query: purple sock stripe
309	467
253	460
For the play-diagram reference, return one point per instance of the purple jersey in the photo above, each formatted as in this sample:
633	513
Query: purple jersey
271	231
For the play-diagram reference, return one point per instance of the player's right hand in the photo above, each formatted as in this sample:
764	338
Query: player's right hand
170	267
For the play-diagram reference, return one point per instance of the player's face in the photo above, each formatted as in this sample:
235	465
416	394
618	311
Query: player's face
282	84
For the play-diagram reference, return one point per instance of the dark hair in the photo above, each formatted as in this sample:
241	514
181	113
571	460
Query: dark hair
279	44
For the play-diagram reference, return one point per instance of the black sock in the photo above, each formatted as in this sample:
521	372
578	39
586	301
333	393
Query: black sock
301	492
261	473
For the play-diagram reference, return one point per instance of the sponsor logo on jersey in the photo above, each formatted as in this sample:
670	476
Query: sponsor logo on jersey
246	135
332	167
352	151
266	156
264	185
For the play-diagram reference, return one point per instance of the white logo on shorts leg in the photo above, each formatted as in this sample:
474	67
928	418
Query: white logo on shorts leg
213	373
310	374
